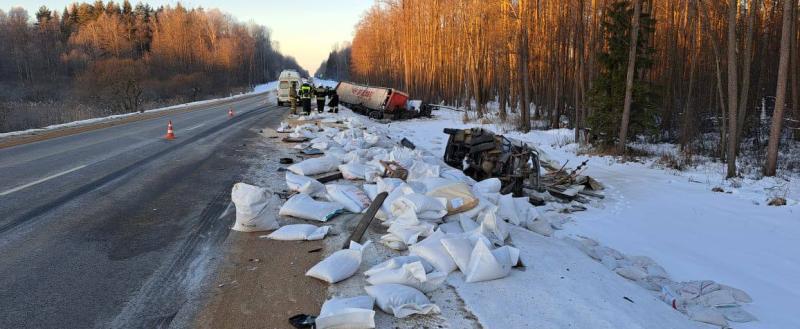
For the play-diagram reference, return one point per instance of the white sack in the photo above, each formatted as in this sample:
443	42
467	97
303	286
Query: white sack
707	315
284	127
388	184
410	274
394	242
315	166
460	248
451	228
299	232
340	265
401	301
634	273
410	233
487	186
355	170
492	227
507	210
483	203
422	170
395	193
423	206
468	225
736	314
303	184
456	175
541	226
431	250
305	207
251	204
371	190
405	157
397	262
458	195
347	313
485	265
350	196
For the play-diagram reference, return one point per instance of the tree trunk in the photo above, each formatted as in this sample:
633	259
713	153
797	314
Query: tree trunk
780	94
793	75
626	112
525	118
732	87
688	127
748	55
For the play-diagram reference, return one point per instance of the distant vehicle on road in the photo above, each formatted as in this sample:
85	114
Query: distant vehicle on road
377	102
285	82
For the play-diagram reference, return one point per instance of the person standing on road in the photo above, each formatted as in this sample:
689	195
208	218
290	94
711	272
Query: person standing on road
320	93
293	96
305	97
333	104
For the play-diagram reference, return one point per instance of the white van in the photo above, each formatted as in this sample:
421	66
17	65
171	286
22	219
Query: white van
285	82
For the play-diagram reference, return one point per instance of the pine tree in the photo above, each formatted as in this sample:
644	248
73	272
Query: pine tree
607	96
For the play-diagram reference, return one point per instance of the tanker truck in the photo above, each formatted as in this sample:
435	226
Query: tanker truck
378	102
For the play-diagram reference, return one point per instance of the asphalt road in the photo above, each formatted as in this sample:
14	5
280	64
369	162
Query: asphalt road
116	227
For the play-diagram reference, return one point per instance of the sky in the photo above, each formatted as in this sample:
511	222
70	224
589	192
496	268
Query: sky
305	29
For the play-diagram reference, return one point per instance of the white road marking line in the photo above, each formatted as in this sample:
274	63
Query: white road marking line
21	187
195	127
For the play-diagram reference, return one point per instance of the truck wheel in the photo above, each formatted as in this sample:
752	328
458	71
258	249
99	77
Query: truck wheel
377	115
280	103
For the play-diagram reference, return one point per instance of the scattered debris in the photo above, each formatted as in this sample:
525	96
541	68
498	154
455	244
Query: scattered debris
717	189
302	321
290	139
777	202
488	155
702	300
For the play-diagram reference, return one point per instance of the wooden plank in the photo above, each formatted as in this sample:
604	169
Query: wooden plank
358	233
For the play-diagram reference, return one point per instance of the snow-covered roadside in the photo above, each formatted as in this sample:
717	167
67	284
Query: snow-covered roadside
325	83
559	287
258	89
694	233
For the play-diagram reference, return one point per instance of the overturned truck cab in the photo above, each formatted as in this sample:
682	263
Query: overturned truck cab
481	154
378	102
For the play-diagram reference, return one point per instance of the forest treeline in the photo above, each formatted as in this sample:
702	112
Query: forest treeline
337	66
103	58
703	73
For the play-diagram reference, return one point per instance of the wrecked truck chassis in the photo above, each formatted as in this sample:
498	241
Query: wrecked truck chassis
396	114
481	154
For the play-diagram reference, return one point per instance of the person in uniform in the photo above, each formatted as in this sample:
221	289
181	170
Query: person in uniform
293	97
305	97
333	104
320	93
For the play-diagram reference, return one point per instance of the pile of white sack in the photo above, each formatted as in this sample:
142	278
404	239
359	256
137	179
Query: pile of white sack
439	221
704	301
443	220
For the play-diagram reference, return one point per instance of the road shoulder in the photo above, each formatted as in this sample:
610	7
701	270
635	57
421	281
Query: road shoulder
258	282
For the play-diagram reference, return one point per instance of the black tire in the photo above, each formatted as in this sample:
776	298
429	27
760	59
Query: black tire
280	103
377	115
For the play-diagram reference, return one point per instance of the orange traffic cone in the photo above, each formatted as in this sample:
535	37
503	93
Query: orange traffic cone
230	113
170	133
